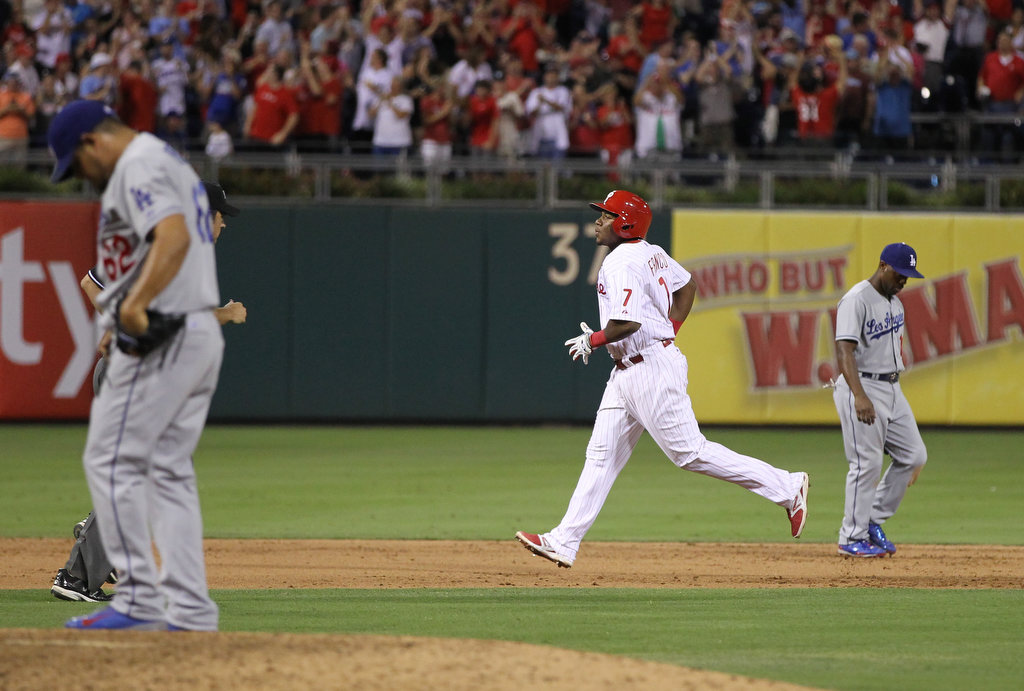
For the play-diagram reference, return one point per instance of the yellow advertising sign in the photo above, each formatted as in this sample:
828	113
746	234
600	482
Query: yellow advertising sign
761	338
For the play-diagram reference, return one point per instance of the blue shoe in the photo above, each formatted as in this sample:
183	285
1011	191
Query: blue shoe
110	619
863	548
877	537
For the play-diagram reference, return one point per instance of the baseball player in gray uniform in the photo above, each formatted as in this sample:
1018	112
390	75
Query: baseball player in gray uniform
874	413
87	567
157	266
643	297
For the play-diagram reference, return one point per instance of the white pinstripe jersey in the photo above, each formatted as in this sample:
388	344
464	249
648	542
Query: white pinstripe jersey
150	183
875	324
635	284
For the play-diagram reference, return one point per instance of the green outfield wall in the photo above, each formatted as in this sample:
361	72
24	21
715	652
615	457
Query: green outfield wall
400	313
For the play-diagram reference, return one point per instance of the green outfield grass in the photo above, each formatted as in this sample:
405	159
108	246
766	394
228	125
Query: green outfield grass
484	483
836	638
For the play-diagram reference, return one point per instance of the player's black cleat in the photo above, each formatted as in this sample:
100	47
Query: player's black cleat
67	587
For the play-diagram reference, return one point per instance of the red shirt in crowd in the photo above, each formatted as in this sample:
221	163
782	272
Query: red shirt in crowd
619	47
272	108
1003	80
325	110
138	99
816	113
654	23
616	131
523	42
482	113
440	131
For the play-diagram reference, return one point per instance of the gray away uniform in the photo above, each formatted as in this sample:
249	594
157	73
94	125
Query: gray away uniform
150	411
875	323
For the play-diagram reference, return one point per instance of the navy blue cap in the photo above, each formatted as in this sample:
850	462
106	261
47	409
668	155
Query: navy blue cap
902	258
66	130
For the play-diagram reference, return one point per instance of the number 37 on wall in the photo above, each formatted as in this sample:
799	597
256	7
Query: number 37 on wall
567	260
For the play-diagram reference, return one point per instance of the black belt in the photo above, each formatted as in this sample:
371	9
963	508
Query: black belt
636	359
891	377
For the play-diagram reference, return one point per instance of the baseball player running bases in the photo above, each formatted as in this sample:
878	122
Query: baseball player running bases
643	297
156	263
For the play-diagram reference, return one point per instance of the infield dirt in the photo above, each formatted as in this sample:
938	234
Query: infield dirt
34	659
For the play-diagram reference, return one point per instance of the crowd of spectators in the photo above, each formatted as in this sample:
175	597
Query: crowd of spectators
513	78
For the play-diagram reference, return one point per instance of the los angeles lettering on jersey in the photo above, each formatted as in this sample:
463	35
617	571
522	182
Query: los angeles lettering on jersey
877	329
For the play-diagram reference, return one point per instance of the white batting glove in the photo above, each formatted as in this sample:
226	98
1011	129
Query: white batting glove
580	347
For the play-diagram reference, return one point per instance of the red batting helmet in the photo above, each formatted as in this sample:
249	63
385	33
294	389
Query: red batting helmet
632	215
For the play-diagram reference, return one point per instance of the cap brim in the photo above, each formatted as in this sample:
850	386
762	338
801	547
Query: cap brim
228	210
909	273
62	171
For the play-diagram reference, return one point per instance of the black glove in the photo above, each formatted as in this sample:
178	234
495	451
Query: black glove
162	328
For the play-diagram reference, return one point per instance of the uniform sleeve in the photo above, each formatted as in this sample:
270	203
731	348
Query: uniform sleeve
849	318
678	276
625	293
150	197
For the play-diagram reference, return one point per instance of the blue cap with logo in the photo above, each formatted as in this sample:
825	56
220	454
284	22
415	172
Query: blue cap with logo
902	258
66	130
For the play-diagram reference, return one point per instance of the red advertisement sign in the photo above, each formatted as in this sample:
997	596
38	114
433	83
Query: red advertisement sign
47	341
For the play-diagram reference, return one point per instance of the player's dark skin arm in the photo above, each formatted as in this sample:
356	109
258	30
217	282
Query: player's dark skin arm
165	257
848	366
617	329
682	302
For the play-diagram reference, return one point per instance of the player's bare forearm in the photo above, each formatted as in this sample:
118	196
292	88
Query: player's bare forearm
682	302
165	257
847	362
617	329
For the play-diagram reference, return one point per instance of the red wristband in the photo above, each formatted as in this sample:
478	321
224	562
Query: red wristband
598	339
675	325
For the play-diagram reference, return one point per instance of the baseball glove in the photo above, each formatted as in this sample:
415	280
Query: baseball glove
162	328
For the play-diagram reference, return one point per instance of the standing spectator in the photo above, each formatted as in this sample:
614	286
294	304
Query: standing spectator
436	112
386	40
584	134
482	113
717	112
853	115
99	84
932	31
374	81
223	93
445	33
411	39
468	71
165	25
327	91
969	25
127	41
521	33
660	58
615	124
49	100
816	103
1001	87
657	22
274	30
16	111
52	26
170	73
275	114
626	47
67	80
392	132
510	114
893	93
658	105
549	105
218	142
24	69
138	98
